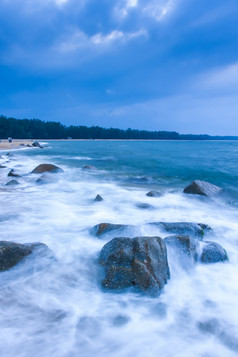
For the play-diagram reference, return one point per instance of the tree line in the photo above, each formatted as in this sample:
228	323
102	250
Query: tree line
39	129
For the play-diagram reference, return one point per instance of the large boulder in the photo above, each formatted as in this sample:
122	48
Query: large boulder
12	253
184	228
202	188
213	253
40	169
140	263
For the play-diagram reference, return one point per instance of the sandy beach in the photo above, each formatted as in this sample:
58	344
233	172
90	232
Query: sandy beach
15	144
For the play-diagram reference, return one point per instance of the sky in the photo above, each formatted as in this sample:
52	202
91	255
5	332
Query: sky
144	64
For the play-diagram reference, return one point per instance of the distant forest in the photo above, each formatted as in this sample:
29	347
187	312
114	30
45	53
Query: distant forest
38	129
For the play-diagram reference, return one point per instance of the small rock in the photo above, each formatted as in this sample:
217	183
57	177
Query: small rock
202	188
213	252
144	206
38	145
46	168
2	167
140	263
154	194
12	183
13	174
98	198
104	228
89	167
9	154
12	253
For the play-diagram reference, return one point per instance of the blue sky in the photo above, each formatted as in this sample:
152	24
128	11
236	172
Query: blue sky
146	64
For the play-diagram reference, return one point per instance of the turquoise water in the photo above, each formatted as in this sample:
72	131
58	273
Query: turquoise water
59	309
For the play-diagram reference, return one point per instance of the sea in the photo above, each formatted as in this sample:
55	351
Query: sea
56	307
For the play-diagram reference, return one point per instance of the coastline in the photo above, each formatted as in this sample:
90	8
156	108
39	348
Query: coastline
15	144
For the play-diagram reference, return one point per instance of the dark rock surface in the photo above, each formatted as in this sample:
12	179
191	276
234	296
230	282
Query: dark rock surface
213	252
154	194
37	145
2	167
184	245
40	169
202	188
140	262
12	173
184	228
12	253
144	205
89	167
12	183
98	198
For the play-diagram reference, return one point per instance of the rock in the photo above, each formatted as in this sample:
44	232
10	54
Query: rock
45	179
40	169
104	228
2	167
12	253
89	167
154	194
22	144
38	145
29	146
203	188
12	173
140	263
98	198
184	245
12	183
9	154
144	206
184	228
213	252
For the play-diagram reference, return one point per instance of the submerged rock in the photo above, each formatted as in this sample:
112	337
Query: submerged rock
154	194
202	188
184	245
89	167
12	183
213	252
2	167
184	228
12	253
40	169
103	228
140	262
98	198
144	205
12	173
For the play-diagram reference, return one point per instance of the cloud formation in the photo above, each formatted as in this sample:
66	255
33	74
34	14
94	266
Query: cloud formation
134	61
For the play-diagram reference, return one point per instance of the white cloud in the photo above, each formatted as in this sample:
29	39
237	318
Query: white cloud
159	9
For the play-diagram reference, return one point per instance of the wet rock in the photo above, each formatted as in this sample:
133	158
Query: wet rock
184	228
89	167
104	228
144	206
37	145
184	246
12	183
40	169
2	167
12	173
213	252
203	188
98	198
140	263
45	179
9	154
12	253
154	194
